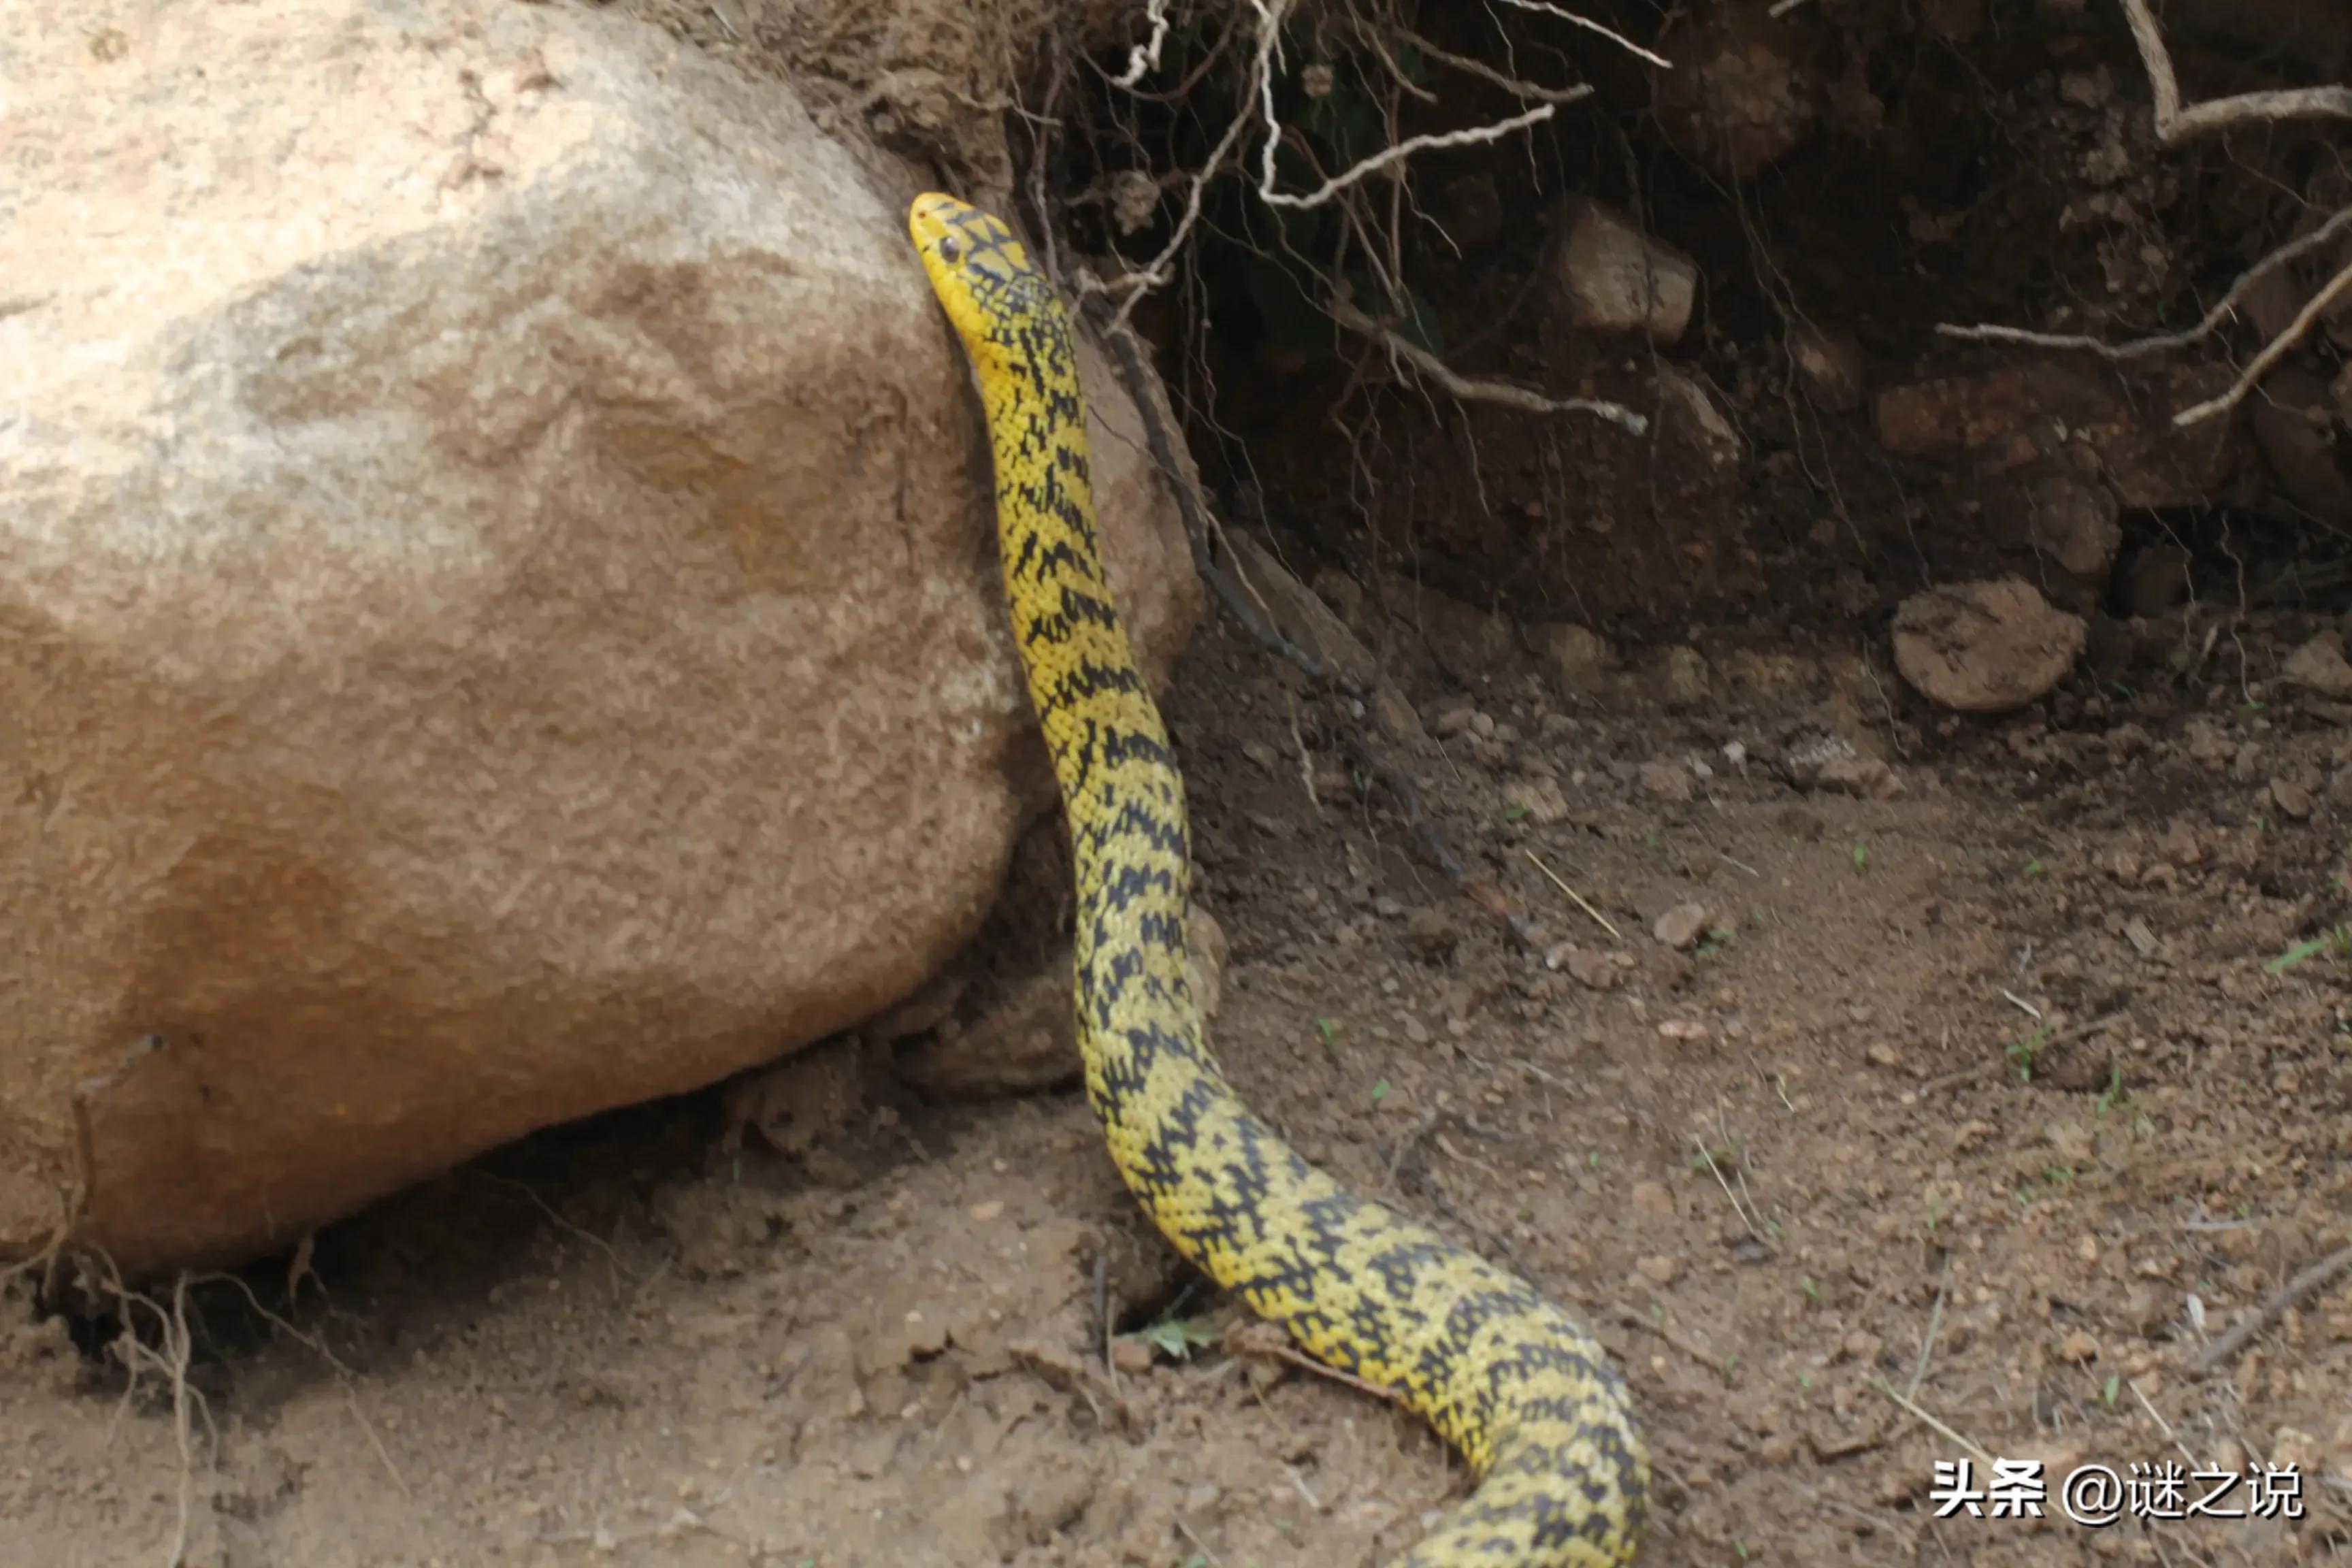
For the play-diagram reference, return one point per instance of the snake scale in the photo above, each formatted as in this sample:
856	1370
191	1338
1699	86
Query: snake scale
1519	1388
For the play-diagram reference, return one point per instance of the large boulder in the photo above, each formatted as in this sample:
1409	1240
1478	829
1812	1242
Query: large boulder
498	614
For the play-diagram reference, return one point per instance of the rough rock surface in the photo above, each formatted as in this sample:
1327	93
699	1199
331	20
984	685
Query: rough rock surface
2039	412
498	612
1985	647
1612	278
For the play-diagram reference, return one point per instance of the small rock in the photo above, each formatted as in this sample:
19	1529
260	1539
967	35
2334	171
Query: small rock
1432	934
2073	520
1612	278
1682	676
1986	647
1130	1355
1862	1345
1589	969
2078	1346
1452	720
1665	780
1577	655
1681	926
1831	364
2143	940
2090	89
1885	1055
1833	766
1652	1198
1683	1030
2320	666
1538	800
1658	1270
1396	719
2290	798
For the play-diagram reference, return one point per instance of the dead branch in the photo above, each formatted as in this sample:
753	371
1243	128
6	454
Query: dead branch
1270	25
2176	124
2269	1311
2140	348
1481	391
1485	72
1545	7
2276	350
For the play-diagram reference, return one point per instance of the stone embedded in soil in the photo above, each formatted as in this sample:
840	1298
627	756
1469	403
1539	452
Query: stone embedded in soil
2290	798
498	601
1831	362
1593	969
2071	519
1300	613
1745	91
1577	655
1985	647
2320	667
1612	278
1681	926
1831	766
1667	780
2045	412
1652	1198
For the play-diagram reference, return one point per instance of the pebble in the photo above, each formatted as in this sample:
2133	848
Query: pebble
2078	1346
1652	1198
1681	926
1665	780
1658	1270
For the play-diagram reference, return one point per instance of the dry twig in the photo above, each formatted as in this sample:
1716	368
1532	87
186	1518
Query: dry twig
1481	391
2287	1295
2176	123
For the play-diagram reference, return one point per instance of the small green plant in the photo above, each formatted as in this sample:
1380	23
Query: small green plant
1592	1161
1715	941
2035	869
1379	1090
2058	1175
1329	1029
1861	857
1653	841
2334	942
2112	1095
1934	1211
1813	1291
1513	813
2114	1385
1176	1337
2022	1051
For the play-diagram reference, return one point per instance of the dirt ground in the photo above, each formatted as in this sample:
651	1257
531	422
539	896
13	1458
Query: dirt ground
1962	1107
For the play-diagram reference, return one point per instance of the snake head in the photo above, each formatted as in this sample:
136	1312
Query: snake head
983	277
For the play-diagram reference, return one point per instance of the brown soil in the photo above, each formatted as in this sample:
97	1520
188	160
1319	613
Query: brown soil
1801	1162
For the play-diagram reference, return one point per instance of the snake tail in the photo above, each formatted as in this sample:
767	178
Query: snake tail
1519	1388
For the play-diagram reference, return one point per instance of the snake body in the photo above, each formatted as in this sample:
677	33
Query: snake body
1518	1387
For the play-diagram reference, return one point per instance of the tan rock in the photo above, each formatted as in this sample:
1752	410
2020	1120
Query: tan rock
1985	647
2320	666
1612	278
1577	655
1742	94
502	617
1831	364
2038	412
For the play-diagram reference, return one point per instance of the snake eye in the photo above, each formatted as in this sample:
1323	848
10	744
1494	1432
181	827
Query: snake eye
951	249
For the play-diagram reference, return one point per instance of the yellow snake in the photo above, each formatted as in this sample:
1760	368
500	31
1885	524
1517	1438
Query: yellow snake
1510	1380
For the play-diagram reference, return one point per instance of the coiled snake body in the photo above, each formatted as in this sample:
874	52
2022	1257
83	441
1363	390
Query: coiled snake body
1510	1380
